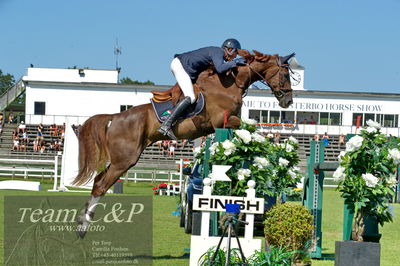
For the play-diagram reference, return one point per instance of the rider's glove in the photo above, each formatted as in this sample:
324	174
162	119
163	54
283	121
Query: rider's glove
240	61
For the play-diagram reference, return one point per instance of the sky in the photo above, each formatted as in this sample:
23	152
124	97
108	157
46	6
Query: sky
344	45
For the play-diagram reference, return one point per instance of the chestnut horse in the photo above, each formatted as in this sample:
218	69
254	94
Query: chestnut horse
114	142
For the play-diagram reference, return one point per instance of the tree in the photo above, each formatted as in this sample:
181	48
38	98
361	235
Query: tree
6	81
127	80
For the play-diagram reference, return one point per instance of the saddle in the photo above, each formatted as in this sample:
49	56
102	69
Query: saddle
174	94
163	102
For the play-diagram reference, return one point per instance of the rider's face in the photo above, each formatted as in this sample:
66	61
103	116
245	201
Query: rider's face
230	54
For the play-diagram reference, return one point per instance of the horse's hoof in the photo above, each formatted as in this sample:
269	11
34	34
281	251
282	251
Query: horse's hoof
81	234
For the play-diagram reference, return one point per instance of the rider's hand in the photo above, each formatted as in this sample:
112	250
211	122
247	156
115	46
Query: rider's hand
240	61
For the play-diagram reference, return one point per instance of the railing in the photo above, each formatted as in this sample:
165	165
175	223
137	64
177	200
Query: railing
8	168
55	119
11	94
320	129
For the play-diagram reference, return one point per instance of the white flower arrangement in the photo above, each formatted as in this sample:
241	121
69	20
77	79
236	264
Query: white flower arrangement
370	180
260	162
229	147
354	143
394	154
243	173
244	135
257	137
283	162
339	174
373	124
250	122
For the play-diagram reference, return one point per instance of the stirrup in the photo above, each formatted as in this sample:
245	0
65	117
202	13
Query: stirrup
167	132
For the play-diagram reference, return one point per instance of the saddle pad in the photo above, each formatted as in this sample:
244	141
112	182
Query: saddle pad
164	109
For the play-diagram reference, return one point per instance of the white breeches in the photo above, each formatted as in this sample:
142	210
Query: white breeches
183	79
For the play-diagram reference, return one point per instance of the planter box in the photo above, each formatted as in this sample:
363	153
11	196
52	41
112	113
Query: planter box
357	253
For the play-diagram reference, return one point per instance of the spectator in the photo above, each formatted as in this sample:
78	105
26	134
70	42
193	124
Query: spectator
270	137
325	139
159	145
22	146
312	121
42	146
62	131
25	138
15	145
21	127
342	140
57	145
53	130
1	117
184	142
39	134
36	145
1	131
203	141
165	147
277	137
11	118
172	146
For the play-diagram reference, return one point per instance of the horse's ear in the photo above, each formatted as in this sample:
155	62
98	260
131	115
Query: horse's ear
285	59
246	55
257	53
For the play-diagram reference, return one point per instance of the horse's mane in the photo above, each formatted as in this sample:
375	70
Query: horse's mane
258	56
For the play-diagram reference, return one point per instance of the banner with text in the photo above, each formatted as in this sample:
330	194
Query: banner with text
41	230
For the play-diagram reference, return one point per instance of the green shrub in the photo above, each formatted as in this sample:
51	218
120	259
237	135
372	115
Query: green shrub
206	258
275	256
290	226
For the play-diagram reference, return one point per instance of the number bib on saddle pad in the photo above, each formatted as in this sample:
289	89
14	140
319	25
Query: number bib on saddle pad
164	109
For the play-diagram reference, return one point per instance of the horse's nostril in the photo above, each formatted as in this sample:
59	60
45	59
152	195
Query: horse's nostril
290	102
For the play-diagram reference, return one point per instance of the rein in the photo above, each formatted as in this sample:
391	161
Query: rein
278	93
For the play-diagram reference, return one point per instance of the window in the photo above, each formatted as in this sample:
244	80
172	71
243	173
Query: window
288	117
368	117
274	117
335	119
254	114
390	121
324	118
125	107
264	117
40	108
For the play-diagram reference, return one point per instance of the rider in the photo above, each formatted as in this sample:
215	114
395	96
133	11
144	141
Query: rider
187	67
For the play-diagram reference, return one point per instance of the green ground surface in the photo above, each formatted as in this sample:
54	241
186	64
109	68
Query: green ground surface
171	245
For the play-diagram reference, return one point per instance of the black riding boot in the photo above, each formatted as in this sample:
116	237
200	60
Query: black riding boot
165	128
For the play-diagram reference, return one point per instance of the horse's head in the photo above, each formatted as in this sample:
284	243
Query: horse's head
274	71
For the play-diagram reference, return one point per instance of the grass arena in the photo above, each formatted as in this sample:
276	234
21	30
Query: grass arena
171	246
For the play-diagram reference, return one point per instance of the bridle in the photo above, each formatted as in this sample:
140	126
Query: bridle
278	93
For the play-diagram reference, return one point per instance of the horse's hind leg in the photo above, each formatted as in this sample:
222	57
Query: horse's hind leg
102	183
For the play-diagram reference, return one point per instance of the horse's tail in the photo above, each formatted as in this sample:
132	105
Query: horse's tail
93	151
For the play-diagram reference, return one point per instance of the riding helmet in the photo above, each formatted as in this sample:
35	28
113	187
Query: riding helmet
231	43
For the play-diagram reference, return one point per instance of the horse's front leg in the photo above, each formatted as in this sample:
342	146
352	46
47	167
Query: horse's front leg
233	122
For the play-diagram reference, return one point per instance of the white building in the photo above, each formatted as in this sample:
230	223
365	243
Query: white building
52	95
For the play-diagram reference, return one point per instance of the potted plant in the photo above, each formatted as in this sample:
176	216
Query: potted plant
291	226
366	176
